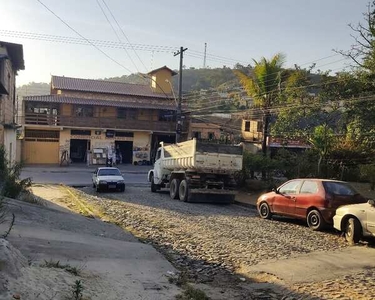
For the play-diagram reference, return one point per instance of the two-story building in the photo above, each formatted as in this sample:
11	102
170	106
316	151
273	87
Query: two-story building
85	120
11	61
252	136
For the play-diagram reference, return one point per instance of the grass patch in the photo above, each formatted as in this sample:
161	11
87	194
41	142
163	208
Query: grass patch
57	265
191	293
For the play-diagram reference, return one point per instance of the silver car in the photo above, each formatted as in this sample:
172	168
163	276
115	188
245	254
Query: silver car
108	178
356	221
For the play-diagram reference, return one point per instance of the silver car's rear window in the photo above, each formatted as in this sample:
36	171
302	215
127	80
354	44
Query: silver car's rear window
109	172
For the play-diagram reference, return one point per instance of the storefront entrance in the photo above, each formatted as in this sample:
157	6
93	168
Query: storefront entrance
124	152
78	150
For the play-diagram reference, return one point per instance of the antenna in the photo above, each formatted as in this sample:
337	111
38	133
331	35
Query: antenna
205	55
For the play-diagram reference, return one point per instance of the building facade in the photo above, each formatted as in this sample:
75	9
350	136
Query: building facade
88	121
11	61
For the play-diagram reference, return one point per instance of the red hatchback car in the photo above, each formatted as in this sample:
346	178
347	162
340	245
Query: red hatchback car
315	200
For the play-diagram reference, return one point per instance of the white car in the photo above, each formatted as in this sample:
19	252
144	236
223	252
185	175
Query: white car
108	179
356	221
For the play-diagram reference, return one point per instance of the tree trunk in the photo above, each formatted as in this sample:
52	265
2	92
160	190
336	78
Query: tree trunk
264	141
265	133
319	164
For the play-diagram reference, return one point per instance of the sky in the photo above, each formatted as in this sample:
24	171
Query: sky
235	31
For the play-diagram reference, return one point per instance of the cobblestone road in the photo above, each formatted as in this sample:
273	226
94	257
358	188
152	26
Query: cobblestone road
210	244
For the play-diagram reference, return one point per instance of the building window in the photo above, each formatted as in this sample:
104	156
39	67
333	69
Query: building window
259	126
197	135
132	114
166	115
247	126
121	113
41	108
211	135
83	111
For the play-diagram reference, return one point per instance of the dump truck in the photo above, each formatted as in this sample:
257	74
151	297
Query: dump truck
196	171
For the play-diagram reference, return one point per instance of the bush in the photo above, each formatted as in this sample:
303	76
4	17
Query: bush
11	185
368	173
296	165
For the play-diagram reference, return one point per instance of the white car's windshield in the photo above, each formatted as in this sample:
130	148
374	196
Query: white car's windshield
109	172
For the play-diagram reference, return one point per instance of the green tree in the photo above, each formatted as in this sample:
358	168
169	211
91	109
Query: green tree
362	52
322	140
368	173
264	87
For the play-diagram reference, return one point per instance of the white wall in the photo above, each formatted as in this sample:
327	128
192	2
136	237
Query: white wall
10	144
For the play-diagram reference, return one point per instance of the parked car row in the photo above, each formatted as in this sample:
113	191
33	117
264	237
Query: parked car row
322	203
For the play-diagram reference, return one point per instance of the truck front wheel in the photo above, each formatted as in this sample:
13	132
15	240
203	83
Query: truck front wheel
154	188
184	191
173	189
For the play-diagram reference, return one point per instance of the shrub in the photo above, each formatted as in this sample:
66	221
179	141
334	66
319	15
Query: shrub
11	185
368	173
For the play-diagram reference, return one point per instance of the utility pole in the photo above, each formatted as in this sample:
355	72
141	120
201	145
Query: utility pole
205	55
178	116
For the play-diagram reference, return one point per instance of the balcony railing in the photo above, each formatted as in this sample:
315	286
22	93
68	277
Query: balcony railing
96	122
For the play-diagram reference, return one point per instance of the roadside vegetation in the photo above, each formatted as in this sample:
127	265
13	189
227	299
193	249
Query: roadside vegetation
11	185
57	265
331	114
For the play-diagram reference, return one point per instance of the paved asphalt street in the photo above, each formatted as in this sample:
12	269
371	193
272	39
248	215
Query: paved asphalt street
80	175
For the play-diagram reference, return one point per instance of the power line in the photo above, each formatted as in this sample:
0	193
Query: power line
115	32
276	109
80	35
291	89
123	33
139	47
104	53
85	42
269	85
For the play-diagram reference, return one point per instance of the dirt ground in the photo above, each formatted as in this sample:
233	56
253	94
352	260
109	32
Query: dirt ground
53	249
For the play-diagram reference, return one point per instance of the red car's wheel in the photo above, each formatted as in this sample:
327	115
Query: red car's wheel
264	211
315	220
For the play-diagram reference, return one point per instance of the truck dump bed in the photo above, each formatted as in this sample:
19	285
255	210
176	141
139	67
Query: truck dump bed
202	157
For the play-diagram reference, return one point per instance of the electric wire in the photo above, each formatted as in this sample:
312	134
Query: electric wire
123	33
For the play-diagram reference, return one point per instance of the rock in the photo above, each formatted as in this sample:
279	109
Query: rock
11	262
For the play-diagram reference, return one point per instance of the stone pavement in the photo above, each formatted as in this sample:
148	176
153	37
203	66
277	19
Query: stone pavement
319	265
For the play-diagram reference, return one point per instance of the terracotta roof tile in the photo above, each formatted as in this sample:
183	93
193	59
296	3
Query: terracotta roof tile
128	102
105	87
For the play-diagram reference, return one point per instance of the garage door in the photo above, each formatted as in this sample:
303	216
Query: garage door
41	147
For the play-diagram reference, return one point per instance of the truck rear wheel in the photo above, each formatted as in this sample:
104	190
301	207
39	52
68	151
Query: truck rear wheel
184	191
173	189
